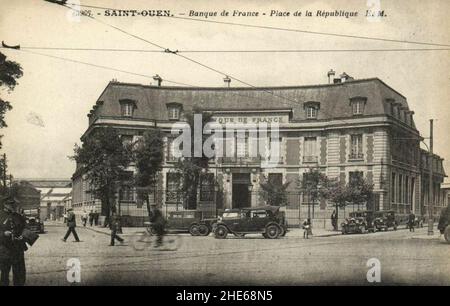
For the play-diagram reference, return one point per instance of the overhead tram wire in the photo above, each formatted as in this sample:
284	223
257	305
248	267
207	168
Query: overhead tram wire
184	57
294	102
99	66
282	29
231	51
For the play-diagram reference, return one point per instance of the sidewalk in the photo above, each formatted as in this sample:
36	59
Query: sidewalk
317	232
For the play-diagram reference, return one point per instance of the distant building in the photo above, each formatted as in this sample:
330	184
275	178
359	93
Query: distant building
53	192
347	129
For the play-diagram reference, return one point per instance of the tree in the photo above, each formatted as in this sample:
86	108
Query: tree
273	193
314	185
10	71
359	191
192	168
148	156
104	158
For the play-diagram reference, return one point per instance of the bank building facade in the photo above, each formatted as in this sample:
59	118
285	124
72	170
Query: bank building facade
346	128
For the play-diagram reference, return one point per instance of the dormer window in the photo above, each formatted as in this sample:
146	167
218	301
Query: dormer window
127	108
174	110
311	109
358	104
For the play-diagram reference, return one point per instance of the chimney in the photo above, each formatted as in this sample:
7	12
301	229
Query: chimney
158	79
227	81
331	75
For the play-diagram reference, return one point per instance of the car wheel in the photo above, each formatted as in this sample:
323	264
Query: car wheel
203	230
447	234
272	231
193	230
221	232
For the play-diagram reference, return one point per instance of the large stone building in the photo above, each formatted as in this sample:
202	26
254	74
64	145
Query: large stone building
346	129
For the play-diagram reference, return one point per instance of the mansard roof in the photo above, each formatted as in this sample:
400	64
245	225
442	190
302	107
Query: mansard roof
334	99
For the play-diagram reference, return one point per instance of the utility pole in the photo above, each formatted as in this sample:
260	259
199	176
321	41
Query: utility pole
430	186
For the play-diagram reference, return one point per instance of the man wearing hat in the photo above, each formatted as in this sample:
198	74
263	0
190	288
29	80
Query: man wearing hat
71	224
12	244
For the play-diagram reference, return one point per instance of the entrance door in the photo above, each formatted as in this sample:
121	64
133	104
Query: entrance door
241	196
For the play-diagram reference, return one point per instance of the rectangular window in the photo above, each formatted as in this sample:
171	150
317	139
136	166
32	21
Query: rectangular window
207	187
355	177
241	147
309	150
356	147
171	149
276	179
358	107
172	187
174	113
400	188
127	109
311	112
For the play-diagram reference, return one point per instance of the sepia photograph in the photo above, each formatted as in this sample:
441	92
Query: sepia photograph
224	143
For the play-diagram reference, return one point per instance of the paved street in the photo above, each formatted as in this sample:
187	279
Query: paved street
406	258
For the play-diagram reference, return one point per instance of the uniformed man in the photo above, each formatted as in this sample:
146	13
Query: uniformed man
71	224
115	226
12	244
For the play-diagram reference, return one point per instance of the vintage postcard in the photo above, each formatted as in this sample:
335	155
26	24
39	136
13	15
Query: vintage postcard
224	143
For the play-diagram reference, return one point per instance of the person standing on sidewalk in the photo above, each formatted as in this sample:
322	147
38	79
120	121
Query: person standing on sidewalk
411	221
91	218
114	225
71	224
158	224
84	218
307	228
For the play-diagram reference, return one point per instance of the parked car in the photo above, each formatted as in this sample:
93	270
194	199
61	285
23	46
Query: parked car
385	219
444	223
354	225
191	221
33	220
266	220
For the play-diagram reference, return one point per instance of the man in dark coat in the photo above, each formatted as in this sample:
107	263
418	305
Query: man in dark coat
158	224
411	221
114	225
12	244
71	224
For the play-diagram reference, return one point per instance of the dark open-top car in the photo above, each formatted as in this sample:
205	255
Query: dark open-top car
266	220
191	221
385	219
444	223
34	223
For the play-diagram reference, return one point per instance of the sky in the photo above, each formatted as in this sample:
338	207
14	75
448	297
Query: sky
53	97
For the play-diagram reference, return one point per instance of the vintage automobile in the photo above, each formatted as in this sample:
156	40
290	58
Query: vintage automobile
444	223
385	219
266	220
33	220
354	225
191	221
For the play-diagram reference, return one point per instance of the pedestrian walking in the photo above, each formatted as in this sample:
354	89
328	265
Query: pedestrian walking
158	225
115	226
307	228
71	225
12	244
